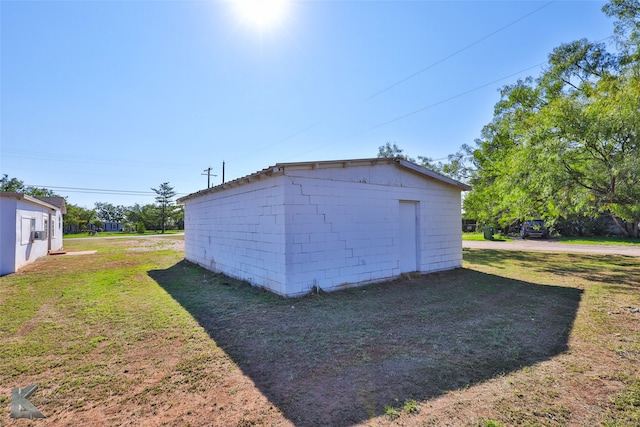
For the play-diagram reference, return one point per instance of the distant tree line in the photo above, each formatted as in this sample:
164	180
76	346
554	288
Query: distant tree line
164	215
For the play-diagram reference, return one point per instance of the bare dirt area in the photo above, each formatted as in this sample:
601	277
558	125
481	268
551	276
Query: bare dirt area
171	244
134	335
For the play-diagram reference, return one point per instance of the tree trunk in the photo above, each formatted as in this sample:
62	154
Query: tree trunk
629	228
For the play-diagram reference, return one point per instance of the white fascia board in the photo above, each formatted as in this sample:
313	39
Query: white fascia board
30	199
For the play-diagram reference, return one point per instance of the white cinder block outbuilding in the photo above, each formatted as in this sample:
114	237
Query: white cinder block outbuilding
30	228
330	224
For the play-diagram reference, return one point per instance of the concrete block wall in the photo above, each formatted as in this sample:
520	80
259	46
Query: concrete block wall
441	247
331	228
343	226
240	232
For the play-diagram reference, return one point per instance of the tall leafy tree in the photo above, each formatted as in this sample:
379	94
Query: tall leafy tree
11	185
567	143
393	151
626	27
177	216
564	145
150	215
147	215
457	166
14	185
78	218
108	212
164	199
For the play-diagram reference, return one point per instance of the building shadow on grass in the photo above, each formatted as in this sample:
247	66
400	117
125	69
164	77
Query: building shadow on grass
617	272
341	358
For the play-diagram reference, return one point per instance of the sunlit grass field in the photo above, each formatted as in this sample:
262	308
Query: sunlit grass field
600	240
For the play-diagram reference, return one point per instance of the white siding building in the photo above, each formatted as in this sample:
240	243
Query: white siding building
29	228
331	224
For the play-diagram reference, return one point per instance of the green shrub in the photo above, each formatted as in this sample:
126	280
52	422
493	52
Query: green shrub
140	228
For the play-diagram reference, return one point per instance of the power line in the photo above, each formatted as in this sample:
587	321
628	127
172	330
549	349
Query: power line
409	77
419	110
209	175
435	104
286	138
78	158
441	60
99	191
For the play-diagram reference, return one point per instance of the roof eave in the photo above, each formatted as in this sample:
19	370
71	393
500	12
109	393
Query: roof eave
31	199
270	171
432	174
279	168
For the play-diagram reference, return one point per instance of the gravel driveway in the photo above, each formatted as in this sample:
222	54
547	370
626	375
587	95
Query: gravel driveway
553	246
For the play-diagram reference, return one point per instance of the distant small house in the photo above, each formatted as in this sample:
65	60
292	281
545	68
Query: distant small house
30	228
112	226
294	227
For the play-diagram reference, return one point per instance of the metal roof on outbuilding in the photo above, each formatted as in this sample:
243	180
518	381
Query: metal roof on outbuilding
280	168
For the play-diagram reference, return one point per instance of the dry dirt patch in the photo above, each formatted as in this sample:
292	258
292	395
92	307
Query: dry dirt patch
154	244
79	253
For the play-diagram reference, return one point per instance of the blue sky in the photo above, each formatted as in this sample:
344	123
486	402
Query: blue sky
124	95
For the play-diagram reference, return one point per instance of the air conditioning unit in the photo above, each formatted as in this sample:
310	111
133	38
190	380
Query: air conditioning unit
39	235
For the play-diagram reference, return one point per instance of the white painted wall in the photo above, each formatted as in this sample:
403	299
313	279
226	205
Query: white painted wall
7	235
56	230
240	232
325	227
354	237
17	217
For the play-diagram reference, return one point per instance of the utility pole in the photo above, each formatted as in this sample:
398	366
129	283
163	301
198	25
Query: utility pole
208	173
223	171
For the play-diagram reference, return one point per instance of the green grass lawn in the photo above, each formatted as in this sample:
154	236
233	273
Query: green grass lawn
134	335
480	236
600	240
